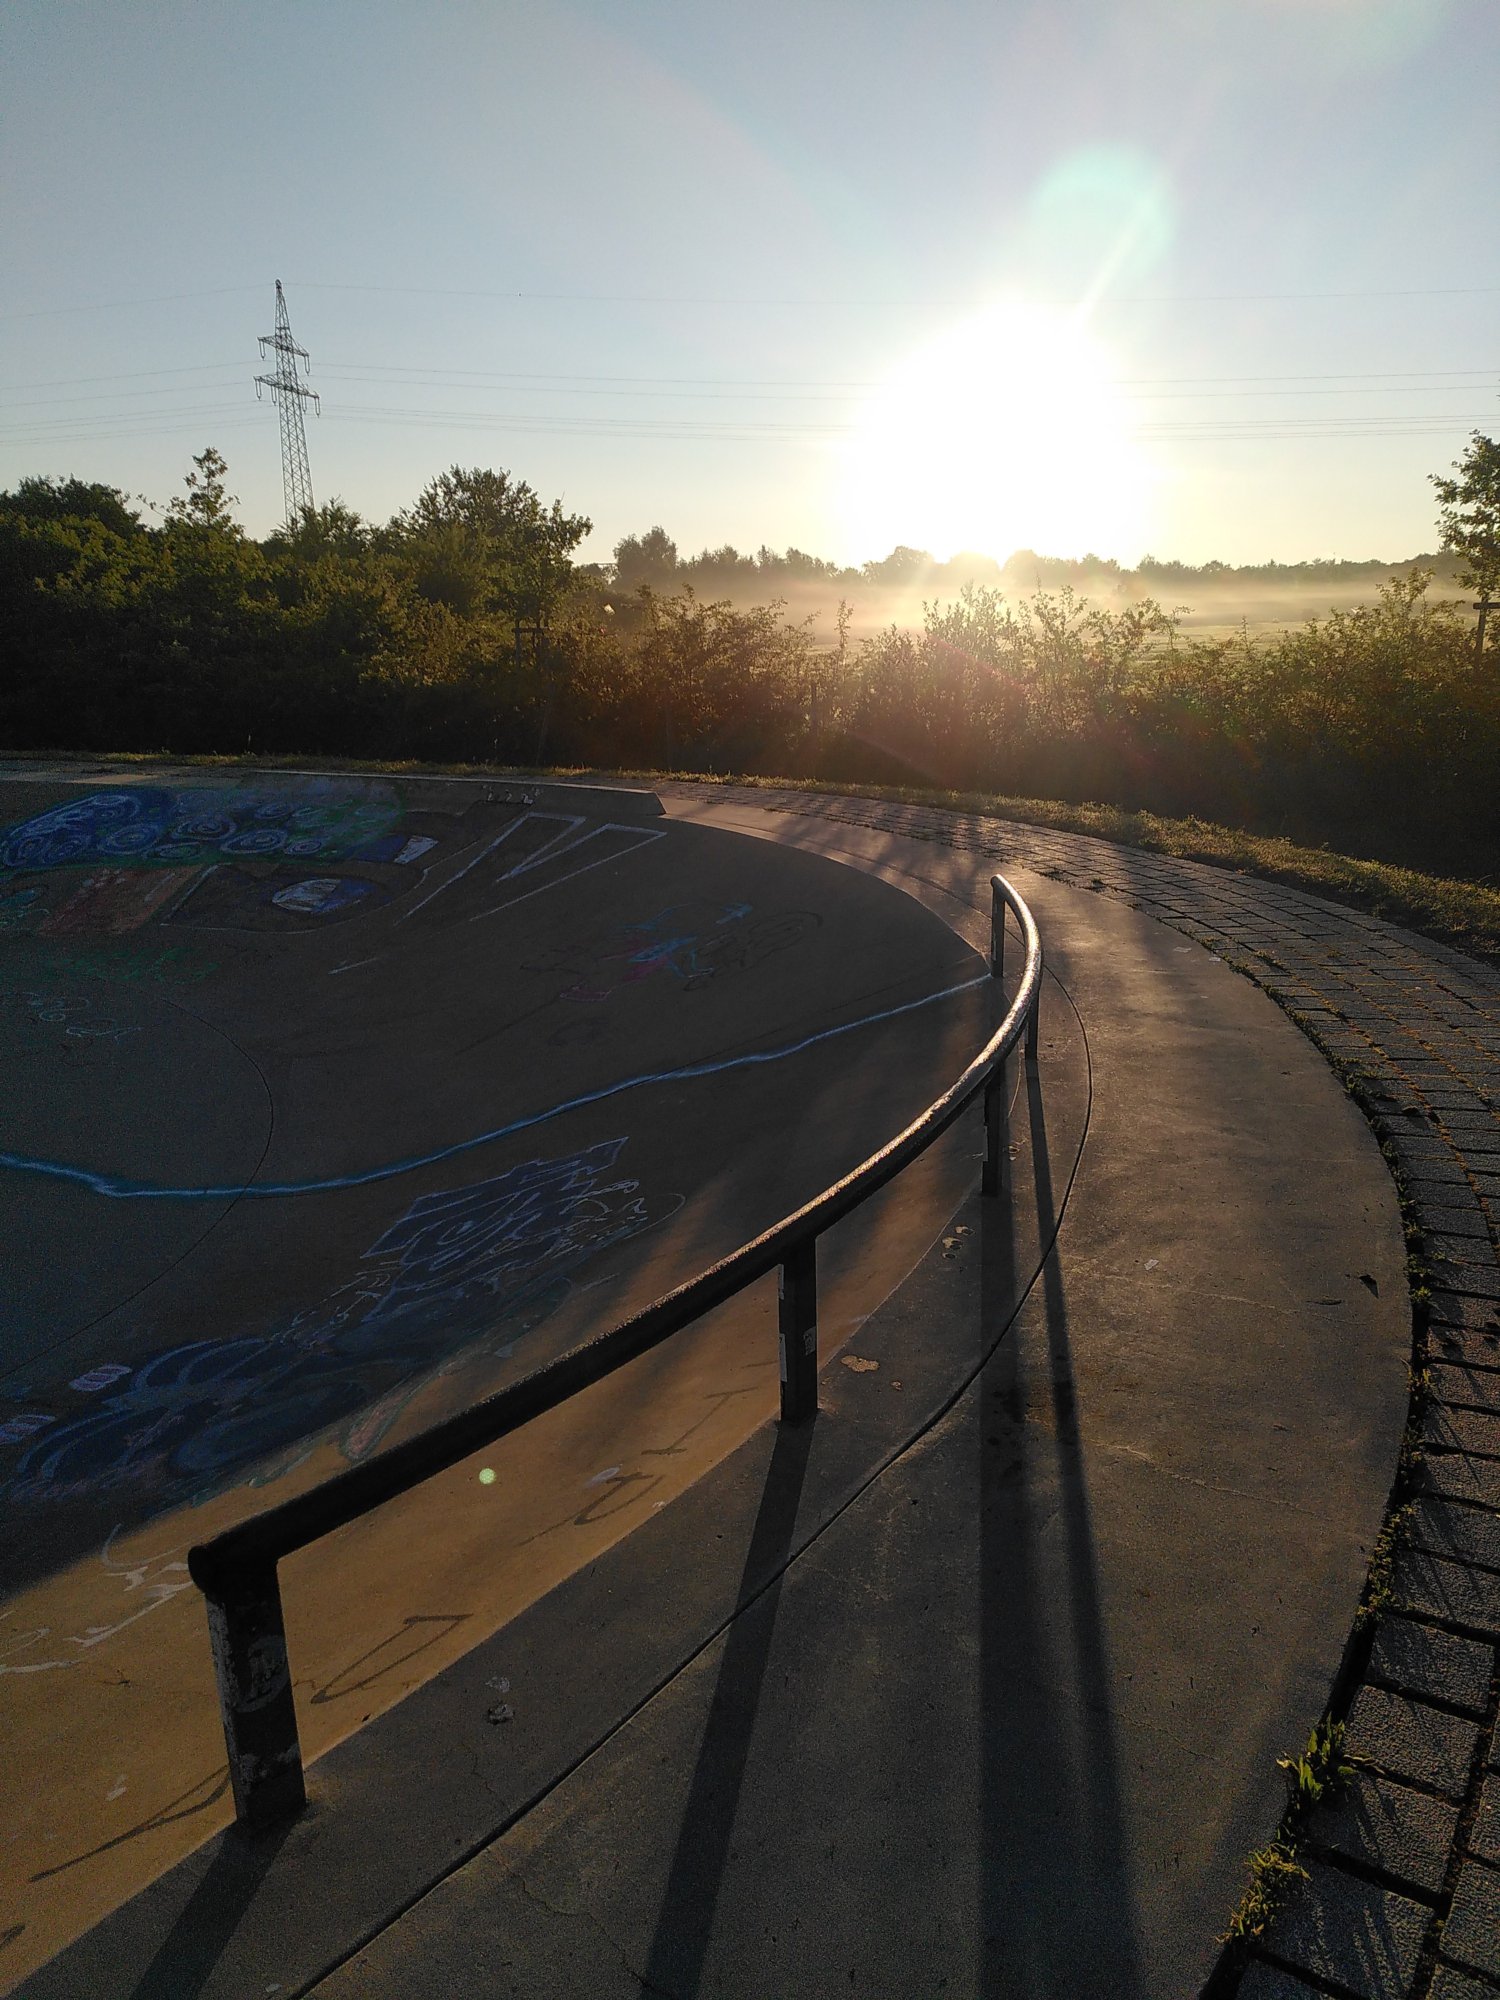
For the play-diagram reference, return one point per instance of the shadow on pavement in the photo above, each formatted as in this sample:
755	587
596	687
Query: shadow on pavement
185	1960
1056	1906
685	1921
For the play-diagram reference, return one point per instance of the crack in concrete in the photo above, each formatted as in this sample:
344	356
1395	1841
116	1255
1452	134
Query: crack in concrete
539	1902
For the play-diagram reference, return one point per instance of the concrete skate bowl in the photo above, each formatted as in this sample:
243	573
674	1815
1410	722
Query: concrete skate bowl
335	1105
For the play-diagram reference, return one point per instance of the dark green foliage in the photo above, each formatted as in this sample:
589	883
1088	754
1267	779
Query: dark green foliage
1470	517
462	630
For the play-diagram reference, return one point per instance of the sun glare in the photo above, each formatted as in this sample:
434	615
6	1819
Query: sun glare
1005	432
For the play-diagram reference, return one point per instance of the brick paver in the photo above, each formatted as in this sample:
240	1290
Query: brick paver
1404	1894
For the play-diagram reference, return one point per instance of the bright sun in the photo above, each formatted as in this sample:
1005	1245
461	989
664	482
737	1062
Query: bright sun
1005	432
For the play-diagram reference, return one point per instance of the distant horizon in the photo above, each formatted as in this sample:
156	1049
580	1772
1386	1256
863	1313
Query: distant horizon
150	506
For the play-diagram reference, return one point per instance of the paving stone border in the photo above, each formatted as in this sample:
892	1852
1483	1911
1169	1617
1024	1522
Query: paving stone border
1402	1895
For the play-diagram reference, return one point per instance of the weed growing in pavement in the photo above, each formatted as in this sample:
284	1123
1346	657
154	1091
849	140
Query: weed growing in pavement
1276	1868
1320	1769
1380	1582
1274	1871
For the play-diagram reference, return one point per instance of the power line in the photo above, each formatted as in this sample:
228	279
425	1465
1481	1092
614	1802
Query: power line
967	300
1442	382
134	375
908	299
223	416
113	305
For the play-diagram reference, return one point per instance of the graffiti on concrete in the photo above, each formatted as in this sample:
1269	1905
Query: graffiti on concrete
113	901
161	826
284	899
456	1268
75	1014
691	944
146	1584
162	967
21	909
532	853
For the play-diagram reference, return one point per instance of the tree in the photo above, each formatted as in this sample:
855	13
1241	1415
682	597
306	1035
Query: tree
331	530
72	500
208	503
646	559
1470	517
902	569
482	542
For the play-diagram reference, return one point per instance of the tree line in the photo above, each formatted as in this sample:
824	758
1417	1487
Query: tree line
464	629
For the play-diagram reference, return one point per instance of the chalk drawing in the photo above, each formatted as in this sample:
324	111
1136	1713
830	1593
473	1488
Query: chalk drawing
104	1376
598	845
230	897
455	1266
73	1013
319	894
153	825
398	848
16	1430
158	1578
690	943
521	838
20	909
113	901
533	853
119	1187
413	849
26	1651
133	968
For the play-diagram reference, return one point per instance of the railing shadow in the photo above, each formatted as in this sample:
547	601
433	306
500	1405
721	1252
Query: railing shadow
685	1920
184	1962
1057	1914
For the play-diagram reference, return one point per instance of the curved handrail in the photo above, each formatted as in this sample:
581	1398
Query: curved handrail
236	1570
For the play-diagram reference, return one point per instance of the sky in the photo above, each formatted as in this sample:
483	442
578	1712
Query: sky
1208	279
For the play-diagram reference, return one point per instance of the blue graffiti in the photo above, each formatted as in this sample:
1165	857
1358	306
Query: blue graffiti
456	1268
692	943
118	1188
152	825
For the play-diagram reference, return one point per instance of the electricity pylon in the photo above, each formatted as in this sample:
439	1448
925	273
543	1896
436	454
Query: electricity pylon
288	394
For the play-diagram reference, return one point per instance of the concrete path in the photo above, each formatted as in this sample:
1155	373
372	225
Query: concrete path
1024	1634
1402	1894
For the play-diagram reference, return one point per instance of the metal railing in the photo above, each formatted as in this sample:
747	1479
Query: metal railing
236	1571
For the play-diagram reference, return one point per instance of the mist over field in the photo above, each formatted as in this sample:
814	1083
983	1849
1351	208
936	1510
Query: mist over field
1214	600
1323	701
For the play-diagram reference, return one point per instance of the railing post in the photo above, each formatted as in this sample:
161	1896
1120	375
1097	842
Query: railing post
996	1136
798	1313
248	1635
997	933
1032	1019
